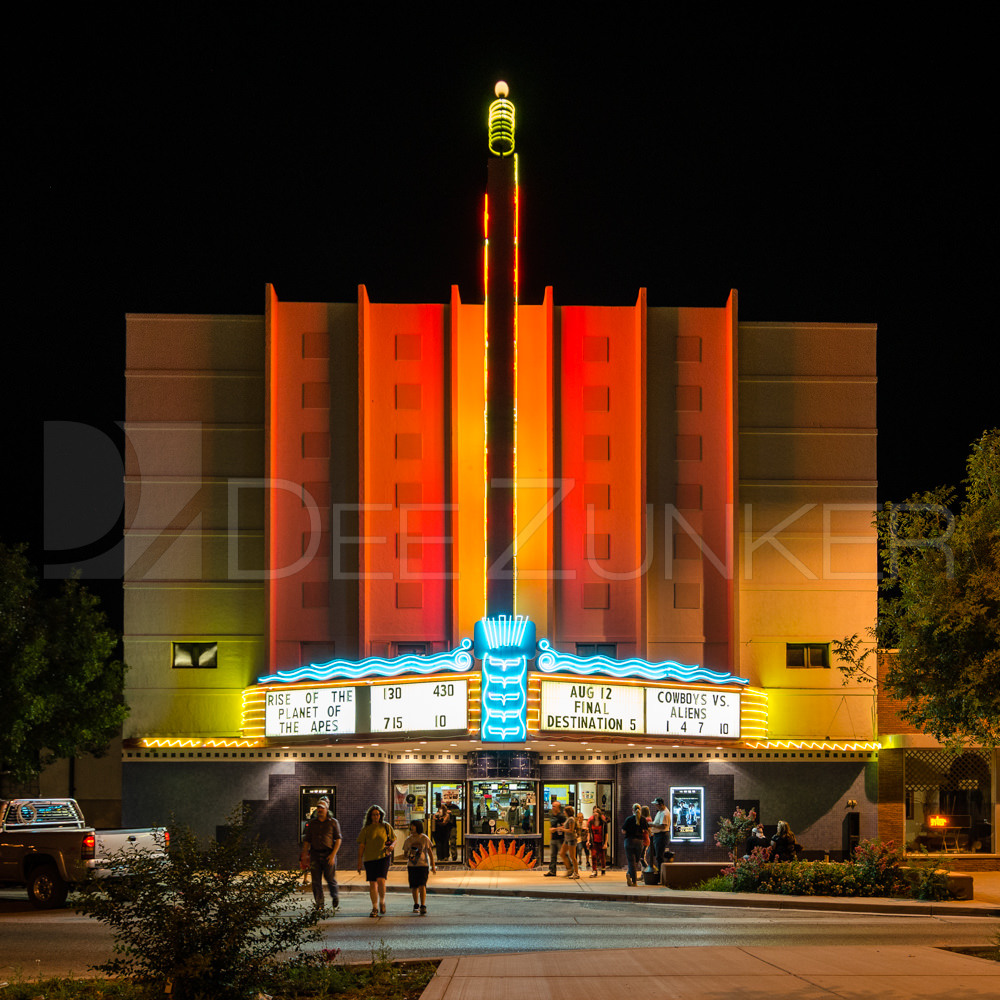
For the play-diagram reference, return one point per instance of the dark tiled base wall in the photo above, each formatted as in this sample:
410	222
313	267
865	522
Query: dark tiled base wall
811	797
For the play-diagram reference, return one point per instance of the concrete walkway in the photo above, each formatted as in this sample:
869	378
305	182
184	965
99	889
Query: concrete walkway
814	973
707	973
612	887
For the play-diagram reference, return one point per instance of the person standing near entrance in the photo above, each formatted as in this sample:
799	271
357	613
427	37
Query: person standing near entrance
375	844
660	829
556	820
320	843
443	823
633	829
453	834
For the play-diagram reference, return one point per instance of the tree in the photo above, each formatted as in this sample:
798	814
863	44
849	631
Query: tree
940	606
61	690
209	922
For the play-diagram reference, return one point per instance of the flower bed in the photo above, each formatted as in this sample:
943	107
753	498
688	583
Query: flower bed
876	870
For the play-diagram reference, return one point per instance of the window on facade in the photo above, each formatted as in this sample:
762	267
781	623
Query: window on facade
411	648
316	652
949	803
807	655
608	649
200	655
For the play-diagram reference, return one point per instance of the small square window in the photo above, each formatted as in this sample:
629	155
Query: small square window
198	655
608	649
411	648
807	655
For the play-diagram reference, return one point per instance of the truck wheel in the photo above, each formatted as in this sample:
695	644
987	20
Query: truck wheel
46	888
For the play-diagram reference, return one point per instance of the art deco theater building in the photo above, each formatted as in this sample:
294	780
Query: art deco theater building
485	554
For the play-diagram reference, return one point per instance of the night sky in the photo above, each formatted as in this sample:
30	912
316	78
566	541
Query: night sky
832	172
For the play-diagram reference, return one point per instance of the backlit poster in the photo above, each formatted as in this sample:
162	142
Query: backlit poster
687	813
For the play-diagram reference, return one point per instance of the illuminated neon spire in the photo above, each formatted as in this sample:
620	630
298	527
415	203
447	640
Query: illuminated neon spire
500	267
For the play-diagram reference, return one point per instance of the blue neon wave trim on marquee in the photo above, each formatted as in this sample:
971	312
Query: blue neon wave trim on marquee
551	661
456	660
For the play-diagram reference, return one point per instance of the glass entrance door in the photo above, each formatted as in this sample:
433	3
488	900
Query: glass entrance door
584	797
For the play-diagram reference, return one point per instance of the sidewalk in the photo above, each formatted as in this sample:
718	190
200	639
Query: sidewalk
707	973
711	973
612	887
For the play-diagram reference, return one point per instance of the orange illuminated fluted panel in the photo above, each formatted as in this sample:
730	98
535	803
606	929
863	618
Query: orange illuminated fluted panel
309	397
536	517
468	443
601	530
404	478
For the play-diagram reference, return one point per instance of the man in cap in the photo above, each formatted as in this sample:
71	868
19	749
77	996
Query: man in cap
660	830
321	841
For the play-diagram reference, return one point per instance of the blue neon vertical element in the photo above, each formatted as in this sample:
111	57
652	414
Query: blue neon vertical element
504	644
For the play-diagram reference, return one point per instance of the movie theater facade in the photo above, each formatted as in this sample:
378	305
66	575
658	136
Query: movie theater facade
485	555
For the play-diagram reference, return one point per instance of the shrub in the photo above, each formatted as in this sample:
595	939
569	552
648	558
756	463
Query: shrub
733	833
717	883
747	875
208	922
926	880
877	869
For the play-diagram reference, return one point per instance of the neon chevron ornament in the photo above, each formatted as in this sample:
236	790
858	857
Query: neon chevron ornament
504	644
456	661
551	661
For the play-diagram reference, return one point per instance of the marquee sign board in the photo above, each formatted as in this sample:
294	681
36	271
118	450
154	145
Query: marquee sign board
692	713
687	713
583	707
311	712
430	706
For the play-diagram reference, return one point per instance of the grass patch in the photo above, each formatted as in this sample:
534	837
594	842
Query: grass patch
717	883
313	976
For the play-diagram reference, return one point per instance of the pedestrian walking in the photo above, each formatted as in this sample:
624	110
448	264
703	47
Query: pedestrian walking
419	864
320	844
598	850
582	840
375	843
570	837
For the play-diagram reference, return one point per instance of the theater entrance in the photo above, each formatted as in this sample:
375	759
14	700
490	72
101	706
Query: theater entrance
584	797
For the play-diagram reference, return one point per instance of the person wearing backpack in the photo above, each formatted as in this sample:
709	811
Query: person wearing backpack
375	844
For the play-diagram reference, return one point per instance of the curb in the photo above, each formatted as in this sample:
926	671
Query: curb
749	901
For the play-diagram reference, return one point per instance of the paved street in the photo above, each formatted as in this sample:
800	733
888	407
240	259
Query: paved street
465	924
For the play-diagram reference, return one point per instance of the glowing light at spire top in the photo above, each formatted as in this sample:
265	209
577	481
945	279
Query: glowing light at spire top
501	122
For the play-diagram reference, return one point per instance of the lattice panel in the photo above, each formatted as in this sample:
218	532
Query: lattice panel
925	770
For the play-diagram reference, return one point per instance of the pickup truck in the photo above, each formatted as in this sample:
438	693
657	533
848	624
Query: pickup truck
46	845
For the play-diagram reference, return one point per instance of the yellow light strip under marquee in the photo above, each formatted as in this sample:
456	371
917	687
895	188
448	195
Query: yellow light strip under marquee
188	743
860	745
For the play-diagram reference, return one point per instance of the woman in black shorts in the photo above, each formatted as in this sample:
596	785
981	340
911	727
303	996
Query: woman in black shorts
419	858
375	844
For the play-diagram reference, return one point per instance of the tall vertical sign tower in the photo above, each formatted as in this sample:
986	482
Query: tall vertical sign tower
504	641
500	275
